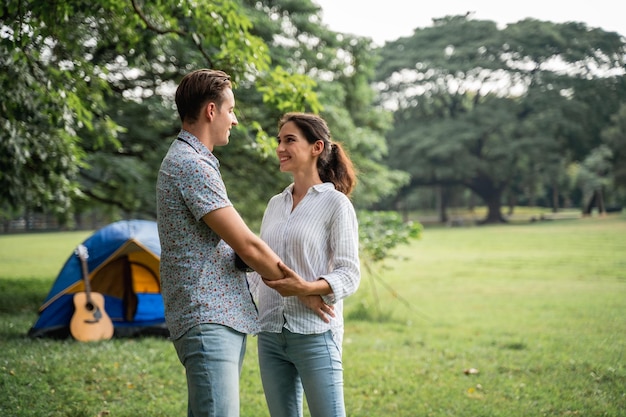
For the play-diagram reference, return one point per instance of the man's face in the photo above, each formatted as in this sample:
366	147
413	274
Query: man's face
223	119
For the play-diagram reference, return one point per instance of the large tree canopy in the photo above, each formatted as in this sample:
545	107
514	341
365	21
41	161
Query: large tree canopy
64	62
498	109
87	107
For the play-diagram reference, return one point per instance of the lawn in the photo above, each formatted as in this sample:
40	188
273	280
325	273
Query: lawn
510	320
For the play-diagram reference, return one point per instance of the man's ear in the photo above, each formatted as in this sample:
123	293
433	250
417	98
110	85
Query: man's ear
210	110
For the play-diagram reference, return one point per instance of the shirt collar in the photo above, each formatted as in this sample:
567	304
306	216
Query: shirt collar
195	144
320	188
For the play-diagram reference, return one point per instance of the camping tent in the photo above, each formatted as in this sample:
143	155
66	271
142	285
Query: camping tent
123	265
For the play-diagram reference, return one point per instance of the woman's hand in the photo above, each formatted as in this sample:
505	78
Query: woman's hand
317	304
291	284
309	293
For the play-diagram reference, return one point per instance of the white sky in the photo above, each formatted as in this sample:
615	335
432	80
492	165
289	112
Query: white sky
387	20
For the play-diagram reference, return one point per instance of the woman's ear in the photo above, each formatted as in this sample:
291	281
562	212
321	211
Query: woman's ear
318	147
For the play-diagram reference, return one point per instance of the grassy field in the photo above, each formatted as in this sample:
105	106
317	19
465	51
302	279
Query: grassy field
510	320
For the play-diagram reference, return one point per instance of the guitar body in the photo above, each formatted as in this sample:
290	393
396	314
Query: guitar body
90	321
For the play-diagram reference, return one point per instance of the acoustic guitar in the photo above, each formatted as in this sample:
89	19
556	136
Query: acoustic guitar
90	321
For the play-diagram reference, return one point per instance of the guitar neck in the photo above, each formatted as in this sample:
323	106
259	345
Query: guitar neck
82	255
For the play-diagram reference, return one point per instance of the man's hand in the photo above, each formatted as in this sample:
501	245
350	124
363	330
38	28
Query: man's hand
317	304
290	284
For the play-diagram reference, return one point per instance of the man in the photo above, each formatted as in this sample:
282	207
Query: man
208	307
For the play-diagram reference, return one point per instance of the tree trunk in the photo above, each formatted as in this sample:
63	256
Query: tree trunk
512	203
601	207
494	206
590	205
442	204
597	199
491	194
555	198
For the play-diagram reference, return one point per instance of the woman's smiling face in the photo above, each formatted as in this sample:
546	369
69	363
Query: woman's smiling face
294	151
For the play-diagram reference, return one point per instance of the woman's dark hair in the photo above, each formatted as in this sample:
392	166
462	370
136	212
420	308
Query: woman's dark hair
333	164
198	88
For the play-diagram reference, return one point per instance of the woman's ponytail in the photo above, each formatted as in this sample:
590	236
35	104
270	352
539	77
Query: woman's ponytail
338	169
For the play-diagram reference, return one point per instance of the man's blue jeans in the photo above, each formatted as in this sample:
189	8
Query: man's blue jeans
212	355
290	362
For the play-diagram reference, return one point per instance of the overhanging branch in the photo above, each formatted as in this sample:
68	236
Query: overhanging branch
197	40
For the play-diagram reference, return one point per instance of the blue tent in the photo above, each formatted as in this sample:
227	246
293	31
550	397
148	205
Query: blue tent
123	265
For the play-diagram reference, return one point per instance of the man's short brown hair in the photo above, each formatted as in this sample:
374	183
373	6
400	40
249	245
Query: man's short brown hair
198	88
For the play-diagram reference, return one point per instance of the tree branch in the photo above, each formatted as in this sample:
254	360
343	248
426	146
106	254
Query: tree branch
195	37
153	27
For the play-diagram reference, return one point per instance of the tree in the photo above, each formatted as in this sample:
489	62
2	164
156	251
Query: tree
614	137
592	177
491	108
74	72
119	61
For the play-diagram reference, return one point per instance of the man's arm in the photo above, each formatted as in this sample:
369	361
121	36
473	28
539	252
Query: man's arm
229	225
293	284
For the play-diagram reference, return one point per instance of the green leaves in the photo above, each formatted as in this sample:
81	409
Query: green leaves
497	109
380	232
68	72
289	92
87	98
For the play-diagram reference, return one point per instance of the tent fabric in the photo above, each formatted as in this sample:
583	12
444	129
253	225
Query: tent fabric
123	265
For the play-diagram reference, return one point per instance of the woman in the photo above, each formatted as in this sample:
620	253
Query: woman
312	227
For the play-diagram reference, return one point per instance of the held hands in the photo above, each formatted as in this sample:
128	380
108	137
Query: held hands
293	285
290	284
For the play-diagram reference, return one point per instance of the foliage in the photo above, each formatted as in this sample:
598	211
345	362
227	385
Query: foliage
112	69
78	72
614	136
525	306
341	68
282	95
591	174
496	110
39	158
380	234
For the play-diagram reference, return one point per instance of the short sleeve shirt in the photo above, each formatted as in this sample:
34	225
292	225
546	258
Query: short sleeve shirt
199	281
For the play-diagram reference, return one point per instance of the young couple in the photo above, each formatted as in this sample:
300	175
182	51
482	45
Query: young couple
305	261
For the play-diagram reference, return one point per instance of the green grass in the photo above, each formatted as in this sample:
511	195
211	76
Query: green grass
538	310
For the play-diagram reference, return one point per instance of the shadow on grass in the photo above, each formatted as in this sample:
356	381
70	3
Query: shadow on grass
20	300
21	295
515	346
364	312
